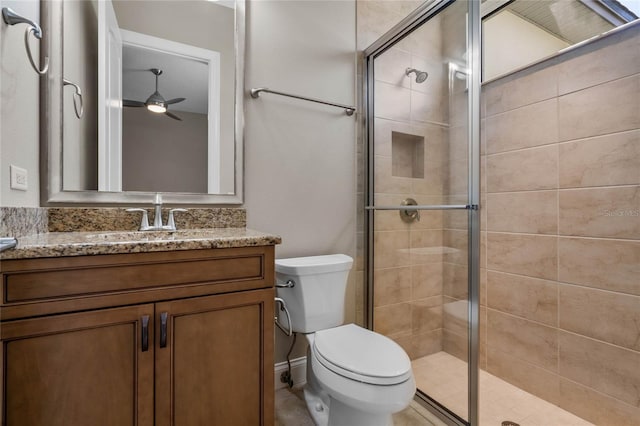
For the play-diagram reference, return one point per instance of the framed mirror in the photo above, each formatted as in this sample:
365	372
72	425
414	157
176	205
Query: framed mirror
137	102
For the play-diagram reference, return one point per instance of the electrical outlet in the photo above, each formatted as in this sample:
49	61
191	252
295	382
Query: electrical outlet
18	178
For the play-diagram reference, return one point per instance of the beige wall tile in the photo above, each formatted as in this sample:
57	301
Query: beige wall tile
426	246
428	108
455	316
602	61
483	249
600	212
526	297
436	68
606	264
374	18
581	114
391	249
456	219
391	286
523	88
527	212
596	407
426	314
359	291
426	280
434	136
455	345
603	315
601	161
606	368
426	40
455	281
429	219
389	220
458	240
523	339
390	67
392	102
384	180
525	127
483	286
530	169
423	344
526	376
392	320
530	255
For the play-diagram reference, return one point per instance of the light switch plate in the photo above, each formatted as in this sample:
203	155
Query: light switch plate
18	178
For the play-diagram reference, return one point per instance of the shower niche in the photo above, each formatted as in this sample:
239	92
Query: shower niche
407	155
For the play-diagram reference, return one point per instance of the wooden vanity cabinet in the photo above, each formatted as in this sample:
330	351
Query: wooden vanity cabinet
191	352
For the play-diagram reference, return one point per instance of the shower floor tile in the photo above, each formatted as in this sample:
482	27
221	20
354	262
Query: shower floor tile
444	378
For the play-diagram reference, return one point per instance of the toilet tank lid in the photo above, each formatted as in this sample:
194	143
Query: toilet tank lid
314	264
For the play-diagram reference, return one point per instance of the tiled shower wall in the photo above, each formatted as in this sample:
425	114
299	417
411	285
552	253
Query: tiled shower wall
561	229
411	135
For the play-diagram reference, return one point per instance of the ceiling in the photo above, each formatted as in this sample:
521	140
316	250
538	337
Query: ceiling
570	20
182	77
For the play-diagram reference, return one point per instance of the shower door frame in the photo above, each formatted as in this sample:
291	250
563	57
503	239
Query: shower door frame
417	18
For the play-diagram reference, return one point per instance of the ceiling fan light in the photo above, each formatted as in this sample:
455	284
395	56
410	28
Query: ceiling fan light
157	108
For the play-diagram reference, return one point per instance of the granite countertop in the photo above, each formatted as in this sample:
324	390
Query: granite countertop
56	244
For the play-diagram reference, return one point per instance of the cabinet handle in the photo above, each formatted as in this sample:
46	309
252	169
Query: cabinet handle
163	330
145	333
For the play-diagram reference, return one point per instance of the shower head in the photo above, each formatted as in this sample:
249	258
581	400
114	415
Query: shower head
421	76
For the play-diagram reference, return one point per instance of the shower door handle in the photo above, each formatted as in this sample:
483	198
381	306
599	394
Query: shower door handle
426	207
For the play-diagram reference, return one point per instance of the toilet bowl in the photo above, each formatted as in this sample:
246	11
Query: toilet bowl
355	377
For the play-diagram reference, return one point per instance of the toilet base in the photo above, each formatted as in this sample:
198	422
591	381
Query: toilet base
331	412
342	415
317	407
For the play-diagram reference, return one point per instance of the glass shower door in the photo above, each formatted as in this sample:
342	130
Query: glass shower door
422	196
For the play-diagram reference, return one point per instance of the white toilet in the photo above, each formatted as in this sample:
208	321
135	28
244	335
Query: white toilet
355	377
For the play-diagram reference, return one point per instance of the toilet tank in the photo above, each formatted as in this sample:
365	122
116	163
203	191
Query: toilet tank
316	301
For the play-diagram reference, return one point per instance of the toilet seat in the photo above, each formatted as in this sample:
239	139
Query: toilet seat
361	355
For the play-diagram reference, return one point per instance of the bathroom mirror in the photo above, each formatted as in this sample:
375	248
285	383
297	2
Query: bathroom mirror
142	97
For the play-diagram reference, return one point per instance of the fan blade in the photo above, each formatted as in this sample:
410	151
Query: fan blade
174	101
175	117
130	103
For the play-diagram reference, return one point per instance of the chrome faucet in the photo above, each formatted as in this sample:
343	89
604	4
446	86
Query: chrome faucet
157	219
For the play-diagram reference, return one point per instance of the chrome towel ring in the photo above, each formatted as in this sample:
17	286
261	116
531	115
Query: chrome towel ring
11	18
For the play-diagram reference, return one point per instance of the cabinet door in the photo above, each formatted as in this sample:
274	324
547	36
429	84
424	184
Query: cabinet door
79	369
217	365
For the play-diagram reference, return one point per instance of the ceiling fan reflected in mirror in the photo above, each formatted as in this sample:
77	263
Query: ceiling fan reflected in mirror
155	103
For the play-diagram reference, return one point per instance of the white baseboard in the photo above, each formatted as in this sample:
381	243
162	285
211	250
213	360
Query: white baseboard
298	372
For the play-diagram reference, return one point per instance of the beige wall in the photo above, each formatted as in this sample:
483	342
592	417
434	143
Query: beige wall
510	42
80	65
561	230
300	157
19	109
160	154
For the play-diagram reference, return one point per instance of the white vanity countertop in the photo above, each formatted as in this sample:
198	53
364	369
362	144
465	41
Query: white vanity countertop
58	244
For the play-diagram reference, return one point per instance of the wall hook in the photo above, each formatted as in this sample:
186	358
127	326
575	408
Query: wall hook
11	18
78	103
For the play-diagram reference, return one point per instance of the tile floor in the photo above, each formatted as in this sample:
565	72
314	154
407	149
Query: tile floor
292	411
444	377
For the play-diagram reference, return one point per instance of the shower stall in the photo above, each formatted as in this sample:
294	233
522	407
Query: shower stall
502	217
